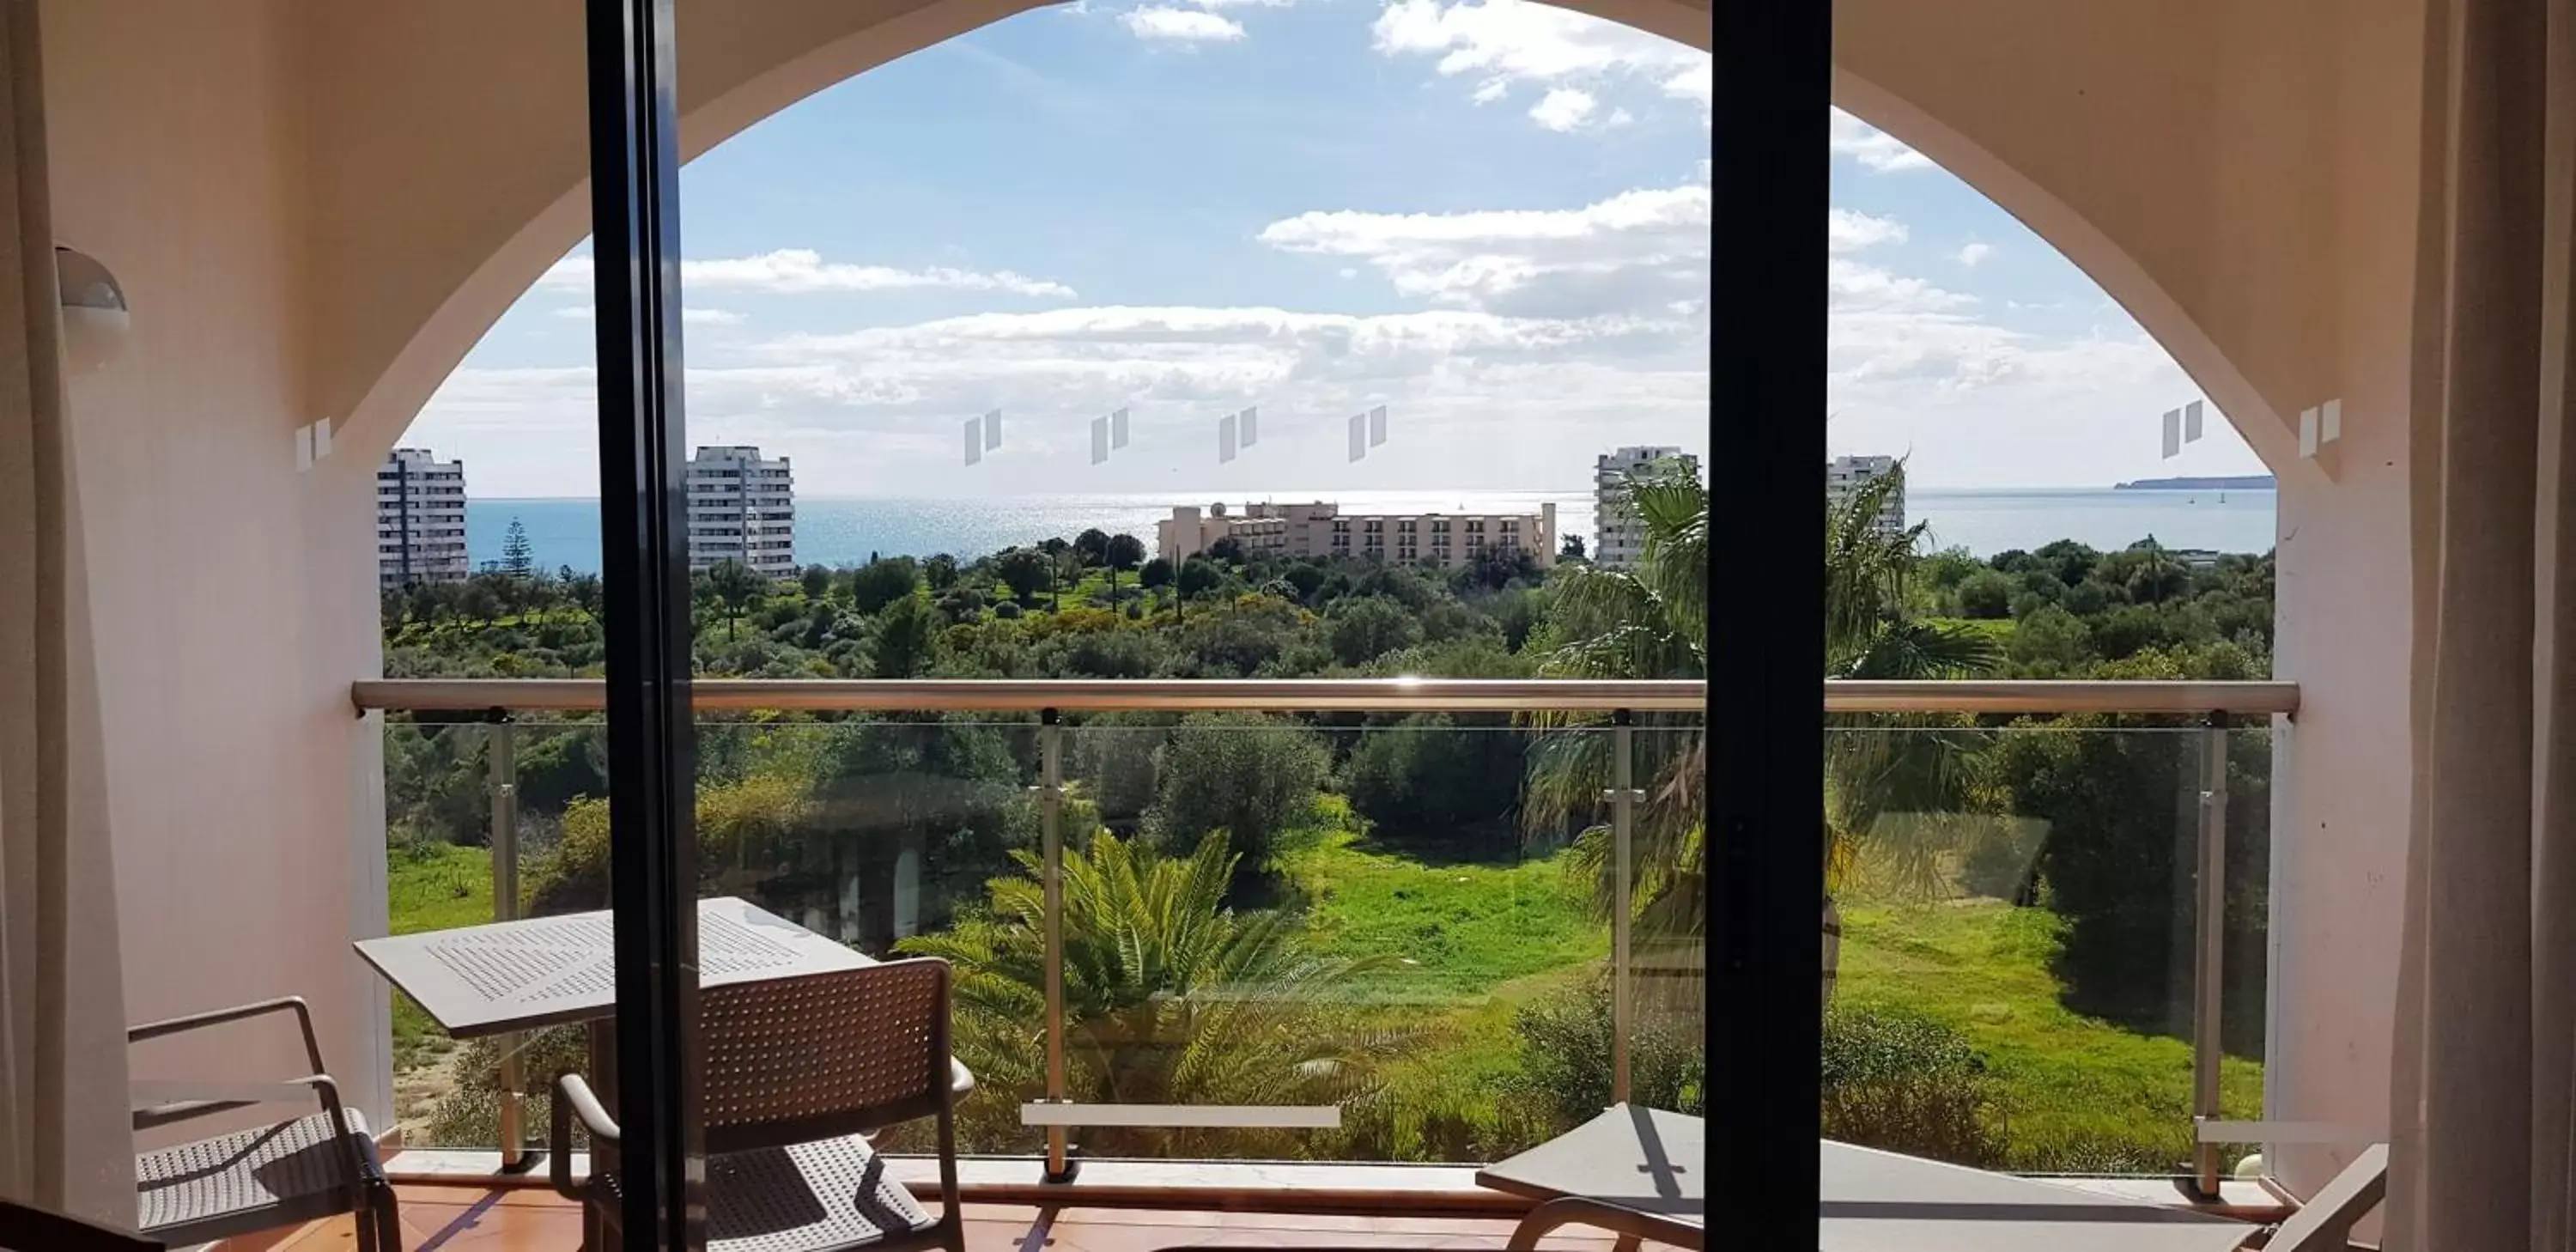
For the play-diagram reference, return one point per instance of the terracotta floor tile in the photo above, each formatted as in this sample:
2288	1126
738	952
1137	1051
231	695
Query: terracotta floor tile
465	1218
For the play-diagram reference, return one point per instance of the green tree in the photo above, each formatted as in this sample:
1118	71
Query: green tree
1170	998
1026	571
1121	552
905	635
1571	550
816	582
1197	576
737	586
518	558
1428	778
1918	766
585	593
1986	594
2157	576
1250	775
1229	549
941	570
882	582
1651	622
1366	629
1093	546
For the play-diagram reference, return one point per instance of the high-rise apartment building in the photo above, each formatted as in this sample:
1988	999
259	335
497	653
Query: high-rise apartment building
1448	540
1847	474
742	508
420	519
1618	538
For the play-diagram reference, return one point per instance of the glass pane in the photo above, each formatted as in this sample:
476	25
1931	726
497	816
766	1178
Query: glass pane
2018	914
1374	927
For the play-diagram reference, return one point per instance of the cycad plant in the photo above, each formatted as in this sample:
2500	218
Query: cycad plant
1169	998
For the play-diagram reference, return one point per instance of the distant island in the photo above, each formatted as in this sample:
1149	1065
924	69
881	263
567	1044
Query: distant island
2240	482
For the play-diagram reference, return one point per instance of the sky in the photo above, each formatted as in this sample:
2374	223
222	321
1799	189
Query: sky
1490	217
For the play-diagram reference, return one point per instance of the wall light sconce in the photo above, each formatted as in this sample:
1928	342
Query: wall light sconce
94	312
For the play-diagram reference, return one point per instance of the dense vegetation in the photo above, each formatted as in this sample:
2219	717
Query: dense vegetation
1407	915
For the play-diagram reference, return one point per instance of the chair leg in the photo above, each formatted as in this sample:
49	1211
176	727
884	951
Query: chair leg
388	1219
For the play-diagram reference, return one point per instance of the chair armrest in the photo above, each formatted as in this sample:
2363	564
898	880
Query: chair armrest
961	1080
224	1097
218	1017
573	1098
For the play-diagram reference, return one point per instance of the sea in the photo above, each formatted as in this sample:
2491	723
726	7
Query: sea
849	531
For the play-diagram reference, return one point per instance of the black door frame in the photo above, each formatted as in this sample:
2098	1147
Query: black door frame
1771	168
644	563
1770	163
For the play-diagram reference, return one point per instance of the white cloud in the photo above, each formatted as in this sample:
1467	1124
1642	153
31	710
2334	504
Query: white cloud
1506	42
791	271
875	410
1849	231
1565	327
1185	25
1563	109
1619	117
1875	149
1975	254
1638	249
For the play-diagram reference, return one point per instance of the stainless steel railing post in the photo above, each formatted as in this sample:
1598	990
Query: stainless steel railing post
503	757
2209	950
1623	797
1059	1152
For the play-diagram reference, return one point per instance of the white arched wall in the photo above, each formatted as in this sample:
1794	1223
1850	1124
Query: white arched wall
2240	178
2248	181
331	203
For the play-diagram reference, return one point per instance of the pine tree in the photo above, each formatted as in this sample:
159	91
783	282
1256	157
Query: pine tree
518	559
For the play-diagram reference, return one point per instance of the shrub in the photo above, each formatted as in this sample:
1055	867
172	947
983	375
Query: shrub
1987	594
1907	1084
1429	776
470	1115
1248	775
1565	1057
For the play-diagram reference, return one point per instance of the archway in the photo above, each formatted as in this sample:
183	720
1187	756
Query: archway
740	75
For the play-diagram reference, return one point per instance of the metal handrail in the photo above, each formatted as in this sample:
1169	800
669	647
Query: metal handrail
2054	696
1321	695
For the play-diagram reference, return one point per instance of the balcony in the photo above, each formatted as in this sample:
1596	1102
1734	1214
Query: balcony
2061	881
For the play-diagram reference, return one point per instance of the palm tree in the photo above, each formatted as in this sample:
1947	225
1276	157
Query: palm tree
1169	997
1651	622
1880	766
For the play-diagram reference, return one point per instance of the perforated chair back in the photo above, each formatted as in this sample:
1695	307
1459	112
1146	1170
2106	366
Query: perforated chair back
793	1060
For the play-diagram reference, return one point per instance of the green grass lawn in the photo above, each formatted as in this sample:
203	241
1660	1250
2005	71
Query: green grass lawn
2076	1092
439	887
1448	934
1464	946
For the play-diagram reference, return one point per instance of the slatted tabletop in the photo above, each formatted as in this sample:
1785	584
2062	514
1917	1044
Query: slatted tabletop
1875	1201
546	971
